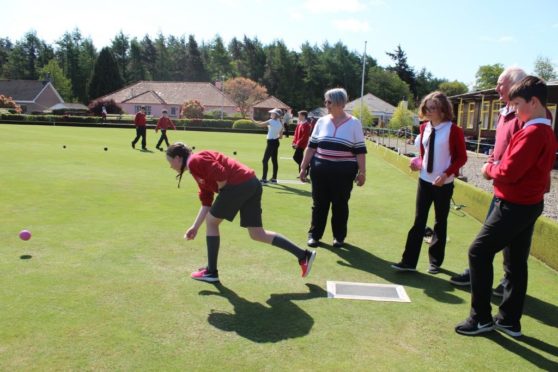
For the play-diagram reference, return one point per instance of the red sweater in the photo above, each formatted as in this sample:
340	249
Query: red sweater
208	167
140	119
457	149
302	135
523	174
164	123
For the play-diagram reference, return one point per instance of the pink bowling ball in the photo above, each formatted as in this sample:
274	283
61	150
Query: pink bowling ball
417	162
24	235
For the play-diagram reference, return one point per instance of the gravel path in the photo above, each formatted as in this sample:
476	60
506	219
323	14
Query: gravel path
471	170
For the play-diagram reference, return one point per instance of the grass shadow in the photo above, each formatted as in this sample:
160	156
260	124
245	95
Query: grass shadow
280	320
515	346
292	190
360	259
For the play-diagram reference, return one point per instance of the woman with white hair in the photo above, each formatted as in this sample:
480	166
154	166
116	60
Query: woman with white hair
274	133
336	155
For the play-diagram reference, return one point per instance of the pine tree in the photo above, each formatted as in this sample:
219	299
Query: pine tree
106	75
195	69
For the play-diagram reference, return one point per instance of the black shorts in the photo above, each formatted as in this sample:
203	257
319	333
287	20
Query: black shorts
245	197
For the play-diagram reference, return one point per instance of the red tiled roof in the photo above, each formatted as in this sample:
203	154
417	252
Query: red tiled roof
170	93
271	102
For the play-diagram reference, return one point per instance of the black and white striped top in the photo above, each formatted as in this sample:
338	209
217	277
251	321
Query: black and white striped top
338	143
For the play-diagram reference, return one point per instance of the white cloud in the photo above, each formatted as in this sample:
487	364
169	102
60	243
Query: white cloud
334	6
500	40
555	25
352	25
297	16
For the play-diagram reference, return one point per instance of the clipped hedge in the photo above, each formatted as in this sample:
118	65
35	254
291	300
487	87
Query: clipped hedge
245	124
477	201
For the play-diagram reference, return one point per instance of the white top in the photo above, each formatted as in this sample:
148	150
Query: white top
274	128
338	143
442	154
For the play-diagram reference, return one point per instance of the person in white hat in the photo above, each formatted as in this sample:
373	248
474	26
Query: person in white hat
274	133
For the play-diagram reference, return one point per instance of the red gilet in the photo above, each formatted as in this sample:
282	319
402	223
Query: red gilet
208	167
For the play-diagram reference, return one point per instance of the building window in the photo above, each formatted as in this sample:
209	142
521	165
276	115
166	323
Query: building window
485	115
553	108
496	106
173	111
471	115
147	109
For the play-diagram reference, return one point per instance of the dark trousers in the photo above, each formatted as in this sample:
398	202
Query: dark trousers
426	195
140	132
298	156
286	130
510	228
163	138
271	152
332	183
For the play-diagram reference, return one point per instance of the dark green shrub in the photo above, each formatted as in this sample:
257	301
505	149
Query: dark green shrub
245	124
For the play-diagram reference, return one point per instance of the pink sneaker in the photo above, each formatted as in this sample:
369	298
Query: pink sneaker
205	276
306	263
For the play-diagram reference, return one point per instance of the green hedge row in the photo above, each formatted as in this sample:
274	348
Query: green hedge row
125	119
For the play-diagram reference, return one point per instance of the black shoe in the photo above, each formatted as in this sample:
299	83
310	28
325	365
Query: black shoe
512	329
498	291
401	266
433	269
263	181
471	327
133	145
337	243
313	242
461	279
273	180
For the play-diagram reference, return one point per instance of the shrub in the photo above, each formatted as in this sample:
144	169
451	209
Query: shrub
8	102
245	124
112	107
192	109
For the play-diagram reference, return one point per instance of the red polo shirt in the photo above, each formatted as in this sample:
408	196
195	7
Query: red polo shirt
208	167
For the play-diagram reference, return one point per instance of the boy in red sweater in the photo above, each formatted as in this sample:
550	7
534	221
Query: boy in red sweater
301	136
163	123
238	190
140	122
521	179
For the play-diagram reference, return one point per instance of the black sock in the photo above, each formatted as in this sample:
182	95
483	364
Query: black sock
282	242
213	243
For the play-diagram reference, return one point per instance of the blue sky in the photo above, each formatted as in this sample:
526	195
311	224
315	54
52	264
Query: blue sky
449	38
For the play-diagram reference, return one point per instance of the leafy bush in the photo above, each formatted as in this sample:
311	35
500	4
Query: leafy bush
192	109
112	107
245	124
8	102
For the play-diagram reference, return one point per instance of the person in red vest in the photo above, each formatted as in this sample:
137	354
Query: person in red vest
140	122
238	191
520	180
301	136
163	124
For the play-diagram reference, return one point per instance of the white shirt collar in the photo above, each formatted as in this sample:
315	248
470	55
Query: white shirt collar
544	121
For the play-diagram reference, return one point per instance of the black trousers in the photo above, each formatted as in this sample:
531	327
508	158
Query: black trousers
271	151
141	132
163	138
298	156
509	227
332	183
426	195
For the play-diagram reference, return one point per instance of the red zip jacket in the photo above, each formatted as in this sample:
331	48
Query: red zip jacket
140	119
457	149
208	167
522	176
302	135
164	123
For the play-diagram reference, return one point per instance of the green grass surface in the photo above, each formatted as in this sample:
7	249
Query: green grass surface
107	286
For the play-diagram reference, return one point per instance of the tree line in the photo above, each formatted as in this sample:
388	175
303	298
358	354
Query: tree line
81	73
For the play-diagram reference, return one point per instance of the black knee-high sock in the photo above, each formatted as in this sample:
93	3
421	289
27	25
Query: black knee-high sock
282	242
213	243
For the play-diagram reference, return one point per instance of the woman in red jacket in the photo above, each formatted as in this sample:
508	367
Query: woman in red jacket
443	153
238	190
